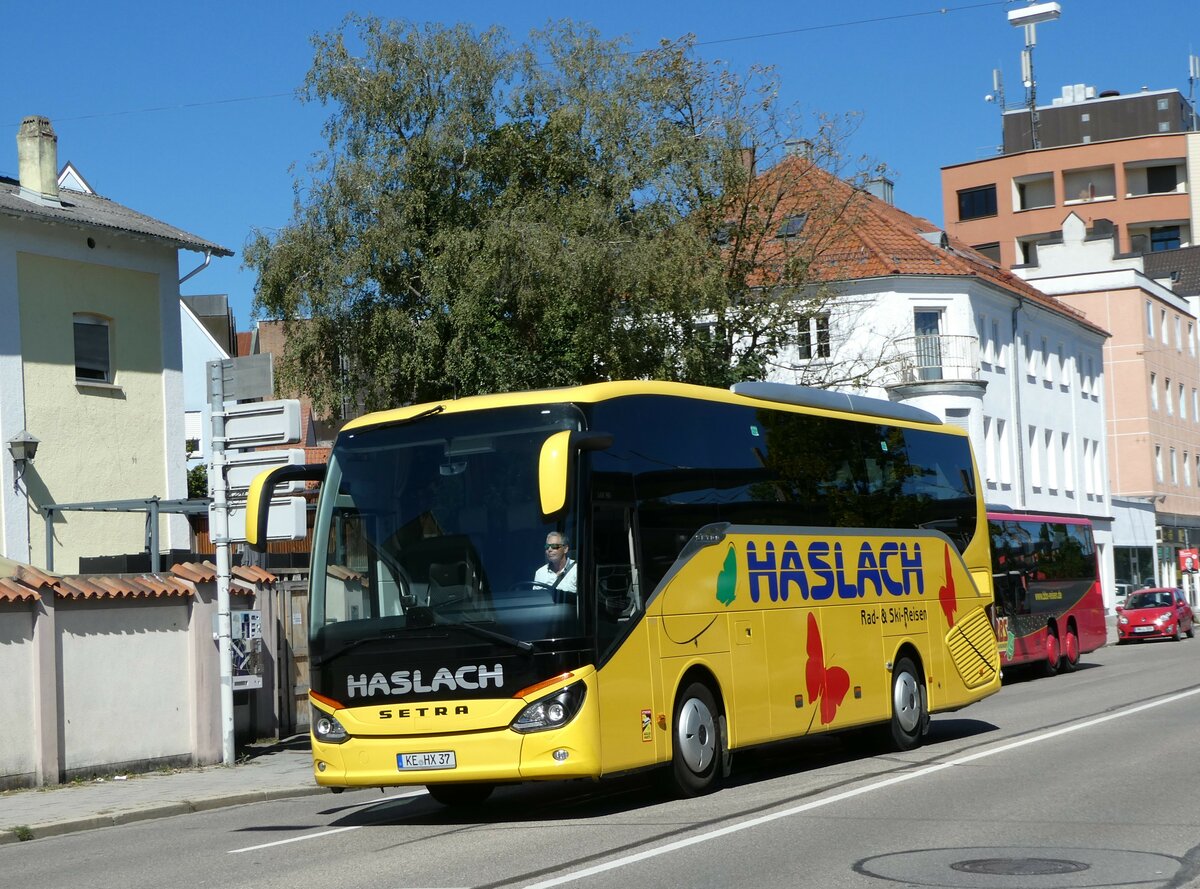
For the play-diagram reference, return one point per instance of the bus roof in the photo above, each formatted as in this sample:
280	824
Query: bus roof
819	400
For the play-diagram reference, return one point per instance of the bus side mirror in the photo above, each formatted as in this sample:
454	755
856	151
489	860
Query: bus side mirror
262	489
555	462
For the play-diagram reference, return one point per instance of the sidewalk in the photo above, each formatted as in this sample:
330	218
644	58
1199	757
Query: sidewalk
277	771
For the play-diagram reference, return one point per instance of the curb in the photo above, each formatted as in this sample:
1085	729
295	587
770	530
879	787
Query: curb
150	812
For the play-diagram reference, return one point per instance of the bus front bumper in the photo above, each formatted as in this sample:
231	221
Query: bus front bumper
499	755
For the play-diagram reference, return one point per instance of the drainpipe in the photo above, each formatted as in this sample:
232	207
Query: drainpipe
1018	372
198	269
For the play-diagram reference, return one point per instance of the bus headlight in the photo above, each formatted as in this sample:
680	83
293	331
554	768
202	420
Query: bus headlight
552	711
327	729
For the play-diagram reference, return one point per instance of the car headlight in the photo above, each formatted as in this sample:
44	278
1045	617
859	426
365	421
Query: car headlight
552	711
1164	619
327	729
1122	620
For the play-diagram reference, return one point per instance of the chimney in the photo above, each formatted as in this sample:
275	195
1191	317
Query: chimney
746	156
37	159
798	148
882	187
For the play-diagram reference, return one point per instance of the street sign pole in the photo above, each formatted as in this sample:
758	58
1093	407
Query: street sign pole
220	539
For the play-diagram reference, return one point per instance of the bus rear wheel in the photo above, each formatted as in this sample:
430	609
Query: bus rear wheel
1053	652
699	742
1070	654
460	795
910	706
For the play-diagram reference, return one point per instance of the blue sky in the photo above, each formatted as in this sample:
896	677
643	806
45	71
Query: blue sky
187	112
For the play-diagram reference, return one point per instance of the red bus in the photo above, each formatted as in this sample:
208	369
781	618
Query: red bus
1046	575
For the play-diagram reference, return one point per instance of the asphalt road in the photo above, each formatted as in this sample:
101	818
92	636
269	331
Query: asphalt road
1083	780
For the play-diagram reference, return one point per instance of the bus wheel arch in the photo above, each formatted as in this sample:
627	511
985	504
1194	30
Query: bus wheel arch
909	720
1070	648
700	755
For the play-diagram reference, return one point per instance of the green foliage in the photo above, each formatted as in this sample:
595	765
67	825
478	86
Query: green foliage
491	216
197	479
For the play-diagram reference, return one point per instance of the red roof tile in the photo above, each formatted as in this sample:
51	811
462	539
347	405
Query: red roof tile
851	235
24	583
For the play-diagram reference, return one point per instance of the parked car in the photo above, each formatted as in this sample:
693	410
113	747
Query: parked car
1155	613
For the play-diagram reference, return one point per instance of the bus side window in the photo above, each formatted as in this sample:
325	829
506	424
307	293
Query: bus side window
618	597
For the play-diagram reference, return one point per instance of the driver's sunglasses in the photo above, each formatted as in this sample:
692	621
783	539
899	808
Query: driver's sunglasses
554	546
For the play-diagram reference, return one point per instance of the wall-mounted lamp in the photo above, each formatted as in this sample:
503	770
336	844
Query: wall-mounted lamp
23	447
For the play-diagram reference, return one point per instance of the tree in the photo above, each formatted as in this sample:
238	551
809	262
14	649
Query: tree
197	481
491	217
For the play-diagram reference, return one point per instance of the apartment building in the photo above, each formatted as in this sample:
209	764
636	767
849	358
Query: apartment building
1125	164
1152	392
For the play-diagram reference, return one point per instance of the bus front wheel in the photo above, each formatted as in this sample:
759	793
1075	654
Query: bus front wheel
910	707
699	743
459	795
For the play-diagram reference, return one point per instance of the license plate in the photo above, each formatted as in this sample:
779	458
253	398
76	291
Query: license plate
1143	629
442	759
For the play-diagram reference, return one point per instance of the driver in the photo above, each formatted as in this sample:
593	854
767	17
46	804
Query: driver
559	570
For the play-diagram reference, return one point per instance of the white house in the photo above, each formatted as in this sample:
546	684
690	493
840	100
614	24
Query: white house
932	323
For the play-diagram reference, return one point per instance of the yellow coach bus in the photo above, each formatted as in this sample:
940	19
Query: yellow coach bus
581	582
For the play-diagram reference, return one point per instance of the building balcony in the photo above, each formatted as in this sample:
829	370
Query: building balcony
934	358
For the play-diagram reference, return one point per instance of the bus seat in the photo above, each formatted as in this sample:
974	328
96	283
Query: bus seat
449	582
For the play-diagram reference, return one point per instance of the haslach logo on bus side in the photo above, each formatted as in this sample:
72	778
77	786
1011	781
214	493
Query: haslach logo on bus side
403	682
821	570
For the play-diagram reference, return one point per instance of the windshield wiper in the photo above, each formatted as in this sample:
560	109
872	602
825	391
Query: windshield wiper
390	636
434	621
485	633
424	616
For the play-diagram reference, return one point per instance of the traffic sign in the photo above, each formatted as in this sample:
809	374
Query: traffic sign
241	467
244	377
286	520
262	423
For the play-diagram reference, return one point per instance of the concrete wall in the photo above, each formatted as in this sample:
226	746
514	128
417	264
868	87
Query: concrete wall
17	757
123	684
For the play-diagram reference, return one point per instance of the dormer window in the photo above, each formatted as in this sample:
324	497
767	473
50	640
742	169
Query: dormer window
792	226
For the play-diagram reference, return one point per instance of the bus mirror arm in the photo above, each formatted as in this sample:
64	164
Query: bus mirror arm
591	441
262	489
555	462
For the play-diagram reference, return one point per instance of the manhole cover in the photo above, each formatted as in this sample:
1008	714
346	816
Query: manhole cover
1019	867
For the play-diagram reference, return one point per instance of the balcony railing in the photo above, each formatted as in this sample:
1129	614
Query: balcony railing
934	357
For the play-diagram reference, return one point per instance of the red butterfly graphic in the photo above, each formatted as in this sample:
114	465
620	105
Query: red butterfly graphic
829	684
946	594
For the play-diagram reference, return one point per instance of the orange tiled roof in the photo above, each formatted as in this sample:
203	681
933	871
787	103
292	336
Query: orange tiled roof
206	572
24	583
863	237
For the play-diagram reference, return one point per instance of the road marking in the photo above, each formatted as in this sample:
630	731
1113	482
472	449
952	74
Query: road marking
325	833
849	794
307	836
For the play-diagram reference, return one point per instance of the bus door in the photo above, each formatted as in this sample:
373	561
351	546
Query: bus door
629	689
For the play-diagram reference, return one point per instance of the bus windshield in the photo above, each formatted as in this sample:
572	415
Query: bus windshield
432	526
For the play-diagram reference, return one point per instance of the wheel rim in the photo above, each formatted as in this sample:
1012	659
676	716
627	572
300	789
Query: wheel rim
696	735
1052	652
906	702
1072	647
